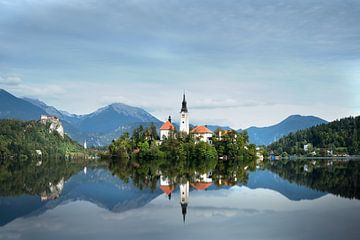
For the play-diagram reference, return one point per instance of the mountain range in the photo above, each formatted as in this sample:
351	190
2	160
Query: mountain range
293	123
102	126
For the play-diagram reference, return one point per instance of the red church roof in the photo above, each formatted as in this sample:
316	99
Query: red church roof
201	130
201	185
167	189
167	126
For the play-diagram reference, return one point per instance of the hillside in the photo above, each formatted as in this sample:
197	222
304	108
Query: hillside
338	137
21	139
267	135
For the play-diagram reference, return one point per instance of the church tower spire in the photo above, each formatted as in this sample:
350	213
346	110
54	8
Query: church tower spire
184	117
184	107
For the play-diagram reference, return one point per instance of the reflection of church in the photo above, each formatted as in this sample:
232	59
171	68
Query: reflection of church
202	182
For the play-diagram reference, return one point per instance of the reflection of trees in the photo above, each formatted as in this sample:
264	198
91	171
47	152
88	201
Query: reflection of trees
29	177
233	172
337	177
146	173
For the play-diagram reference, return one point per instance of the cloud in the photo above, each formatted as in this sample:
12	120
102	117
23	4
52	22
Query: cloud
243	62
10	80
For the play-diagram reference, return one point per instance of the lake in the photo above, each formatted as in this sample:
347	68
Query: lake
305	199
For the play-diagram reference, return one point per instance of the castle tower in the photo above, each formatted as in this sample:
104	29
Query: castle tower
184	117
184	198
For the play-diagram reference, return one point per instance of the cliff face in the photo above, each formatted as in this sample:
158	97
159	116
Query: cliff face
55	124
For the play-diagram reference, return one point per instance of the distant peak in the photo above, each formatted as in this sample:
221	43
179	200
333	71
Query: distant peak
298	116
118	105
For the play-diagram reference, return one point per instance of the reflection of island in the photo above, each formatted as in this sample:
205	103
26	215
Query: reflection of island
201	182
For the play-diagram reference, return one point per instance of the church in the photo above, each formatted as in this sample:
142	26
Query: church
201	133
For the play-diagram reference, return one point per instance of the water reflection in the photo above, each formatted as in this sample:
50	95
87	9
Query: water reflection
34	190
201	182
339	177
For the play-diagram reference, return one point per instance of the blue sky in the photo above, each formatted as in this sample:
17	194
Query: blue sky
241	63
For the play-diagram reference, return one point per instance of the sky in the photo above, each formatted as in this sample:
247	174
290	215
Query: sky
241	62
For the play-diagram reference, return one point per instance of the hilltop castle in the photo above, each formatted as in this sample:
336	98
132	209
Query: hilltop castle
55	124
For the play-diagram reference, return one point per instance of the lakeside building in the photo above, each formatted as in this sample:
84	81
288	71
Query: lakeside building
167	130
202	133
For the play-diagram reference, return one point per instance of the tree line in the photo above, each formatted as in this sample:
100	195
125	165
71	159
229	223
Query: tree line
338	137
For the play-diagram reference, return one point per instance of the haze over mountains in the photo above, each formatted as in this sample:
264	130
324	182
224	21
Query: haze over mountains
102	126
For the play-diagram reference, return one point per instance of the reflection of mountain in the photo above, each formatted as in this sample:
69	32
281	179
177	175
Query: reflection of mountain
100	187
97	186
269	180
15	207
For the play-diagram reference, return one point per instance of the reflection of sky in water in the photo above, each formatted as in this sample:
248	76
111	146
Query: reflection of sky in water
235	213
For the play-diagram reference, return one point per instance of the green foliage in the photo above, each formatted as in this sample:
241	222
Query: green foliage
20	139
341	137
142	158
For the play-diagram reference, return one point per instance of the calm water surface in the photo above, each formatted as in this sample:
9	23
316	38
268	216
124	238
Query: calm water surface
278	200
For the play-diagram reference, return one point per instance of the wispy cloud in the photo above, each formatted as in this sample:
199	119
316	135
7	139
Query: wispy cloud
10	80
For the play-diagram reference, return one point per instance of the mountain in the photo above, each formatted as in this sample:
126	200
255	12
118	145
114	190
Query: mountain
98	128
50	110
12	107
113	117
267	135
214	127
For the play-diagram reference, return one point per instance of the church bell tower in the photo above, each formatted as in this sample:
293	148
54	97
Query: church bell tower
184	117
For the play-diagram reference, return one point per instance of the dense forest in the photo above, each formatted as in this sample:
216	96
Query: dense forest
340	137
21	139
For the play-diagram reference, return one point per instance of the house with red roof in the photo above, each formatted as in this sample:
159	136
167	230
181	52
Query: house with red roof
202	133
167	129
